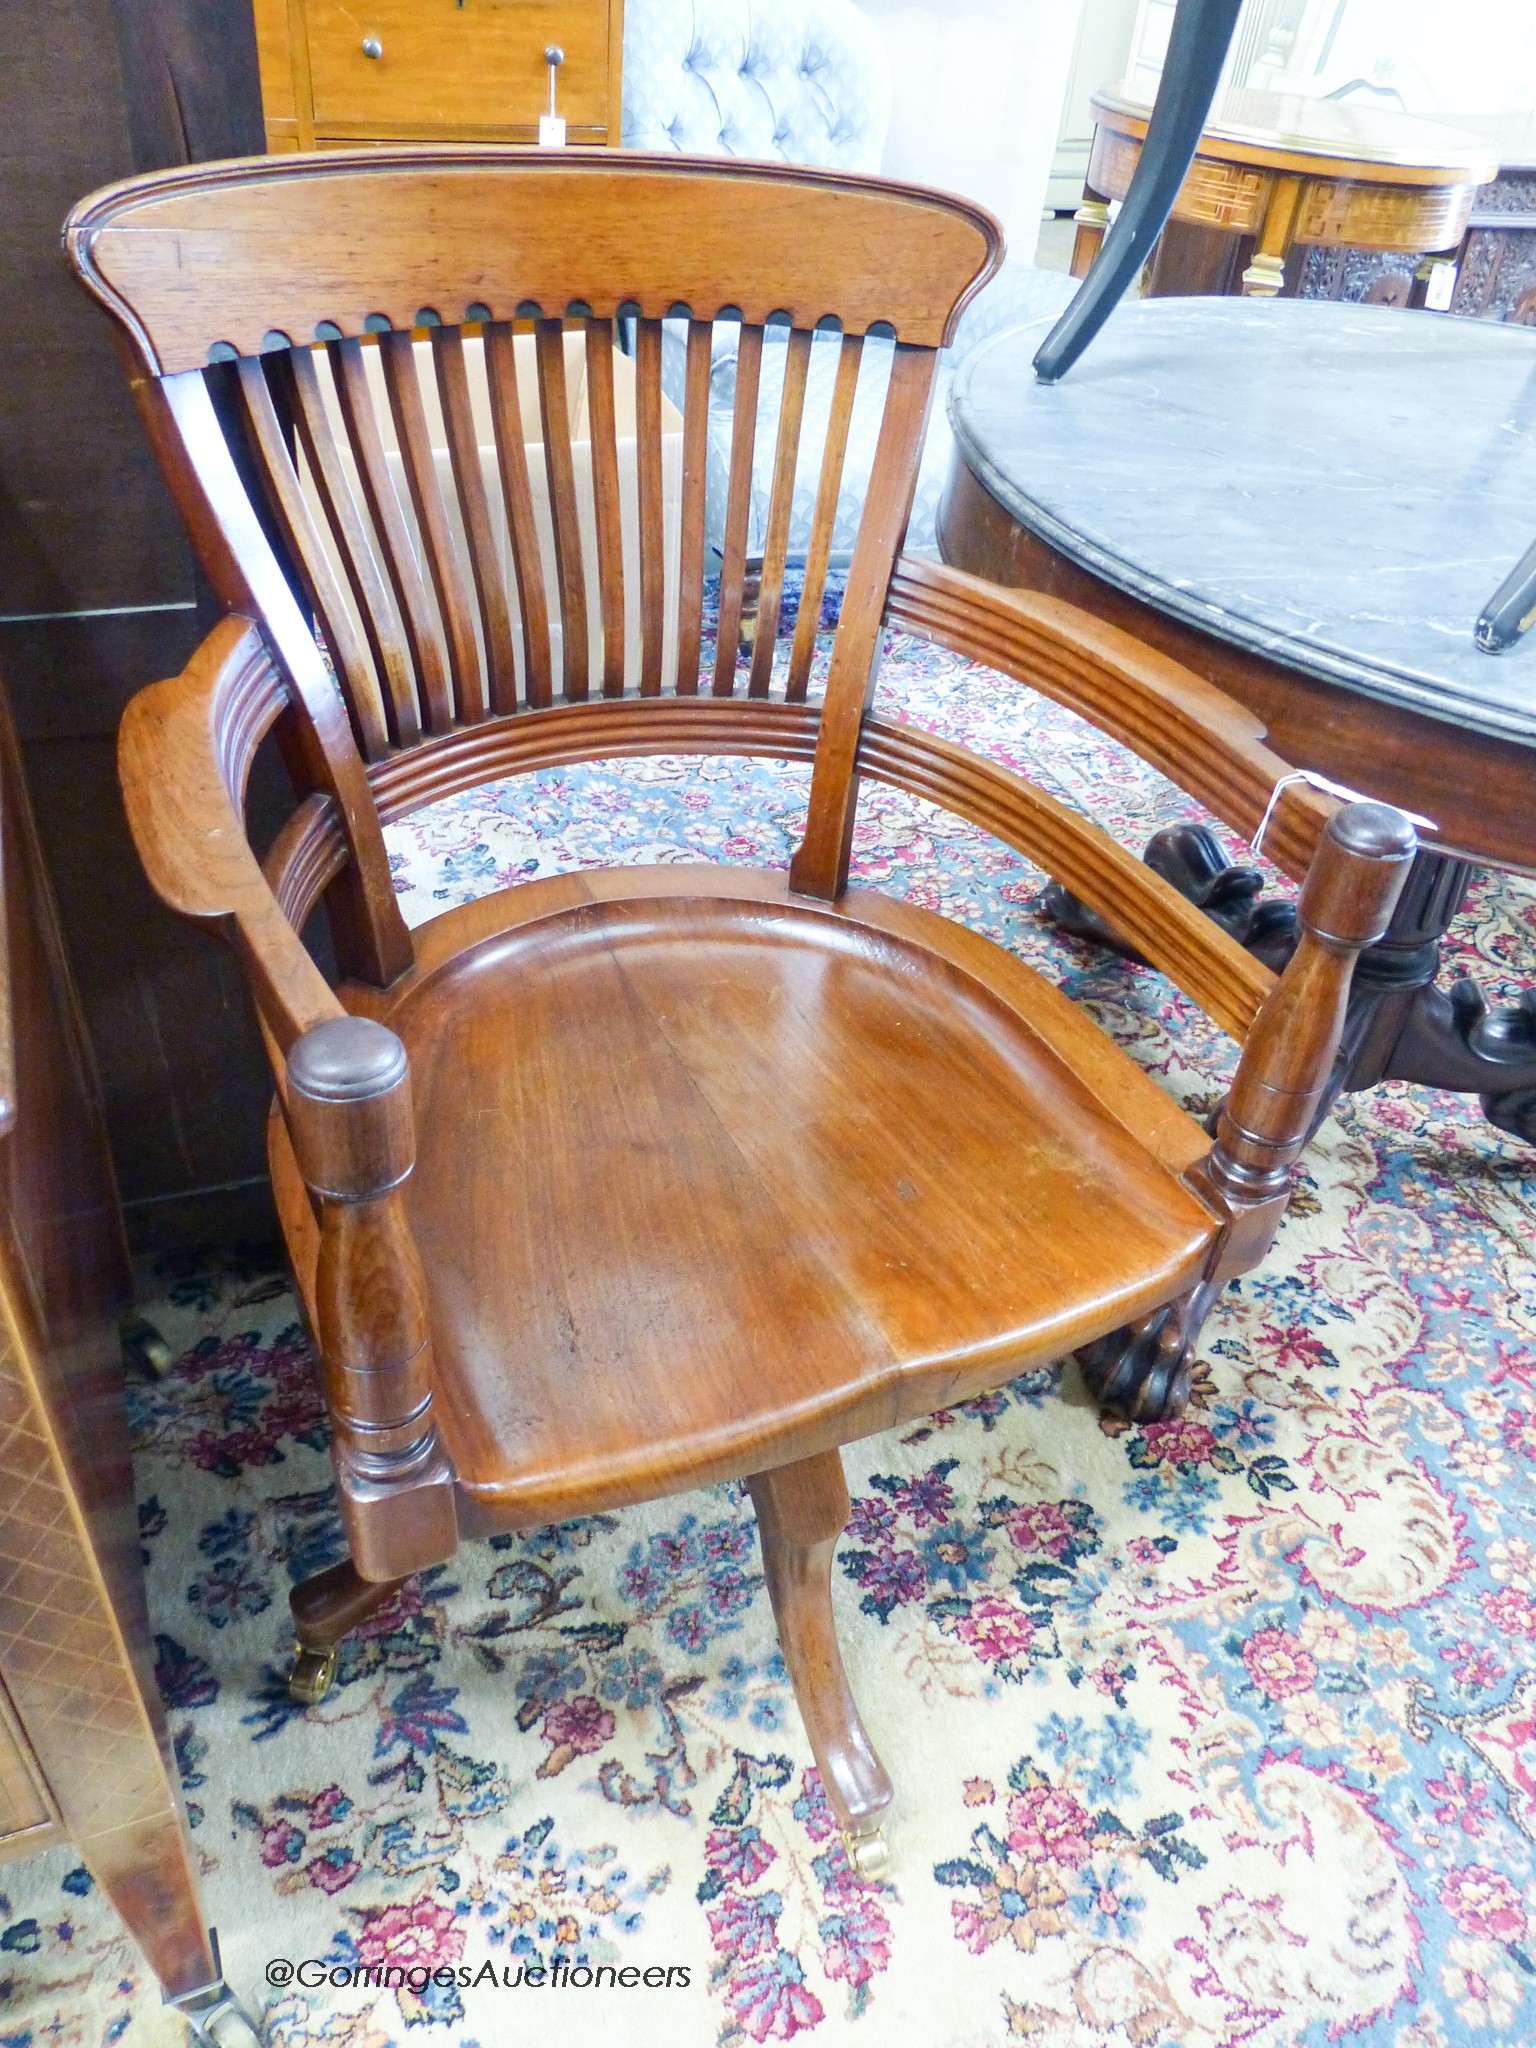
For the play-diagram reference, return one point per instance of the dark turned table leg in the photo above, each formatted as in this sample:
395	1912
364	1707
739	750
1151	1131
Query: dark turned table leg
1400	1026
1451	1039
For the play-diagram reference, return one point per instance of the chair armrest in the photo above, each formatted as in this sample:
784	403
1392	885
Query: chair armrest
350	1117
184	750
1196	735
1281	1088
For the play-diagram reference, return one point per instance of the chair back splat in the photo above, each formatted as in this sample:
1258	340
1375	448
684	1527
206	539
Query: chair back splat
416	394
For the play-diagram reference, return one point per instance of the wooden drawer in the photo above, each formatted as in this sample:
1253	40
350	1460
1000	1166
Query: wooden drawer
445	67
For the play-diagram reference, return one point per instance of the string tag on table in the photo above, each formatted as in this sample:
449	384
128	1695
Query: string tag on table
1329	788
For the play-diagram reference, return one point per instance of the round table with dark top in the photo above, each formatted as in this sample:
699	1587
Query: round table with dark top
1307	503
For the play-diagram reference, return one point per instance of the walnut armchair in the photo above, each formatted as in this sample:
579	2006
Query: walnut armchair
623	1182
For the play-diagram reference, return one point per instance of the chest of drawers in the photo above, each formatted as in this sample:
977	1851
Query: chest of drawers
339	73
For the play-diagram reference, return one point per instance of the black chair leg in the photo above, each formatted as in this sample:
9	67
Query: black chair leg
1197	49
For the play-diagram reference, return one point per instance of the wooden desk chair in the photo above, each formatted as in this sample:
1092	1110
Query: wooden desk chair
624	1182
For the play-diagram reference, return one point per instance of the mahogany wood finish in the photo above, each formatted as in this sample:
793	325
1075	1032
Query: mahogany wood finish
801	1510
614	1184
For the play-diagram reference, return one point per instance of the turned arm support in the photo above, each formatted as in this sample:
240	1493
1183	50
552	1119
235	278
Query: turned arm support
349	1112
1346	903
184	750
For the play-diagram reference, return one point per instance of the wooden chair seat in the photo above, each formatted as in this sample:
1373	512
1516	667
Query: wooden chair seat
710	1178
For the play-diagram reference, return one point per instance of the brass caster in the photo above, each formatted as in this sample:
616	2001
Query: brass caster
312	1676
214	2015
869	1855
143	1346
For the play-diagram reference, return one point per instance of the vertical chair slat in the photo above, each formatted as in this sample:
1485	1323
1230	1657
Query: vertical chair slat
517	496
290	509
400	562
602	434
369	932
554	412
397	355
375	600
824	520
652	515
690	602
820	864
780	503
738	506
469	483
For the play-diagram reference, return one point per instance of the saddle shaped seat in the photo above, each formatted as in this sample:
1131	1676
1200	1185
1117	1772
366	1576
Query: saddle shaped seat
710	1178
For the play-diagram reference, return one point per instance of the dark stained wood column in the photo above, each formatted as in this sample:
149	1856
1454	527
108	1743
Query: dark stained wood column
97	590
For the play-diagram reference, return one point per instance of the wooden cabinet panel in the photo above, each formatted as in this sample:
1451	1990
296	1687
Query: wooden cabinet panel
334	72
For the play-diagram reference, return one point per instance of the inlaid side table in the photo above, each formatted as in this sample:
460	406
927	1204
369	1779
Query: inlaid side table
1274	172
1227	482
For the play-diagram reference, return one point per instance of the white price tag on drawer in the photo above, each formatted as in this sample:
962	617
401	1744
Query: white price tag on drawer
551	131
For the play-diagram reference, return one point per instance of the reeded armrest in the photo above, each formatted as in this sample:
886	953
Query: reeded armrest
1196	735
184	750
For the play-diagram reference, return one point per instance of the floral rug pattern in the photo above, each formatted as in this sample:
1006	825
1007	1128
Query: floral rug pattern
1212	1733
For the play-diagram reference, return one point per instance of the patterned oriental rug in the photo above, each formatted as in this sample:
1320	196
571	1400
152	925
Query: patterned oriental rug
1213	1733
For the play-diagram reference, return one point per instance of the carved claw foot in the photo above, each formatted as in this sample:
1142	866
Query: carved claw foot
1501	1038
1072	915
1453	1039
1194	861
1514	1112
1141	1371
1145	1371
312	1676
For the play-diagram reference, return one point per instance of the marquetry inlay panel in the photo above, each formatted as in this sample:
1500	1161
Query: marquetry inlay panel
1215	195
1337	211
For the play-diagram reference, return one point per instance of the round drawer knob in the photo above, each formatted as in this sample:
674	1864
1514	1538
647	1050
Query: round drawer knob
372	47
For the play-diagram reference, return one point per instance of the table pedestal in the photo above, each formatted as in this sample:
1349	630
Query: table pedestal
1401	1026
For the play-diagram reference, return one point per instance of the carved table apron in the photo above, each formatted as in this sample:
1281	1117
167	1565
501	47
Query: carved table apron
1306	503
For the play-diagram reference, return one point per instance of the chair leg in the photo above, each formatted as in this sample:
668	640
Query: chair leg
801	1511
326	1608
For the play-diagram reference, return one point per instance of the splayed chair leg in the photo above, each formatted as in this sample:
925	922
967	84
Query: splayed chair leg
801	1511
326	1608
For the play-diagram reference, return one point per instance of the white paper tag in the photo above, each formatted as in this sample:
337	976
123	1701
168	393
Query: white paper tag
1338	789
551	131
1441	288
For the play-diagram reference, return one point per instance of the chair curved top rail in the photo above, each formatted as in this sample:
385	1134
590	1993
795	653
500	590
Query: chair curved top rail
353	241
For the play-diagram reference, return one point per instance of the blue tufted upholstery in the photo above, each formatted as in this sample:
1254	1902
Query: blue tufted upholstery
802	80
805	81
